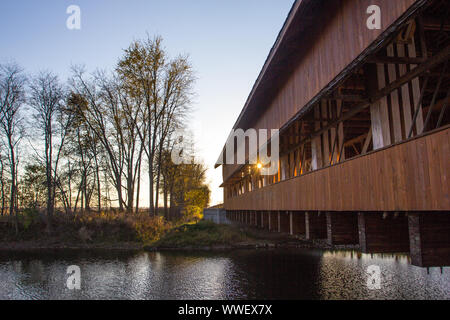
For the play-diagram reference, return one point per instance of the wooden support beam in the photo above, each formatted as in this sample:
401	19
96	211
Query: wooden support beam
367	142
437	59
391	60
394	98
379	112
316	146
325	134
406	100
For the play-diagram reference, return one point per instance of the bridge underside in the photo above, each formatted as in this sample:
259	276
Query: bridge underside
425	236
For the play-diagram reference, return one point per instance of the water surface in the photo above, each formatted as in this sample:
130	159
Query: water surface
265	274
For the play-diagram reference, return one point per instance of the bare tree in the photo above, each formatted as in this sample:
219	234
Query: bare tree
2	185
12	97
46	98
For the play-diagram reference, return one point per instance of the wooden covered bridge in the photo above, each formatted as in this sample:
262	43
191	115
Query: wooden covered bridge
362	111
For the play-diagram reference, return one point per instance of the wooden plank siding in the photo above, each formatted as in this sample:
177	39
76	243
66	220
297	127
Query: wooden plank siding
338	36
410	176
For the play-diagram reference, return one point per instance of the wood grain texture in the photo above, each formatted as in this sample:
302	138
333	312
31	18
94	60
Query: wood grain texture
338	38
411	176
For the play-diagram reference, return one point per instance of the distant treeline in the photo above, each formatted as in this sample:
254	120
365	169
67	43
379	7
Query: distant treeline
90	142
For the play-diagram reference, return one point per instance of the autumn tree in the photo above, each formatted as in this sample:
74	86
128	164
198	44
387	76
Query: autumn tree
164	86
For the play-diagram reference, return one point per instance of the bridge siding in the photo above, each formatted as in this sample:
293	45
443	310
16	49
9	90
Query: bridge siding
324	56
411	176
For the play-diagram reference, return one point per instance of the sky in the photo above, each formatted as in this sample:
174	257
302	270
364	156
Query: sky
227	41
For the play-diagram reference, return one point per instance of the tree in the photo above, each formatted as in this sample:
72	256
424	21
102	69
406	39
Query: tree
33	186
3	185
12	97
46	98
164	88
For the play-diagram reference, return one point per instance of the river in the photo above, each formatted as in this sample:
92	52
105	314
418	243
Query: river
246	274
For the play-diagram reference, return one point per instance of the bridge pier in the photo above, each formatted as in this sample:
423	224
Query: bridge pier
429	235
383	232
315	225
342	228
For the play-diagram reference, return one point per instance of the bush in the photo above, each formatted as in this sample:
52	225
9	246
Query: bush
204	233
88	227
150	229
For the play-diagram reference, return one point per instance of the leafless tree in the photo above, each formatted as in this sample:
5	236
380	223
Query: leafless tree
12	97
2	185
47	98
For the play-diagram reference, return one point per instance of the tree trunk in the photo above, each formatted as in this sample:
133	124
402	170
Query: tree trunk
48	169
151	187
138	191
166	199
12	200
2	188
99	196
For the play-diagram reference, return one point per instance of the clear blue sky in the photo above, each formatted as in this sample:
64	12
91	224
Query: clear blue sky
228	42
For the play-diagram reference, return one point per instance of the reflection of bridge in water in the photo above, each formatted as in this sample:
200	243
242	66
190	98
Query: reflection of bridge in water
364	129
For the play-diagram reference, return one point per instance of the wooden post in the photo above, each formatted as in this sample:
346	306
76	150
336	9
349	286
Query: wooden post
395	106
325	135
291	224
416	88
379	114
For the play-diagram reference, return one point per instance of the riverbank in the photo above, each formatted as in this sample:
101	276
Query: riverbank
237	237
125	234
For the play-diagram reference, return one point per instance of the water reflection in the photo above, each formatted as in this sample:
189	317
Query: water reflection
285	274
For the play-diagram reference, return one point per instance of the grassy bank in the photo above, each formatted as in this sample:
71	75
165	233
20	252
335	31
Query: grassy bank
84	229
202	234
114	230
